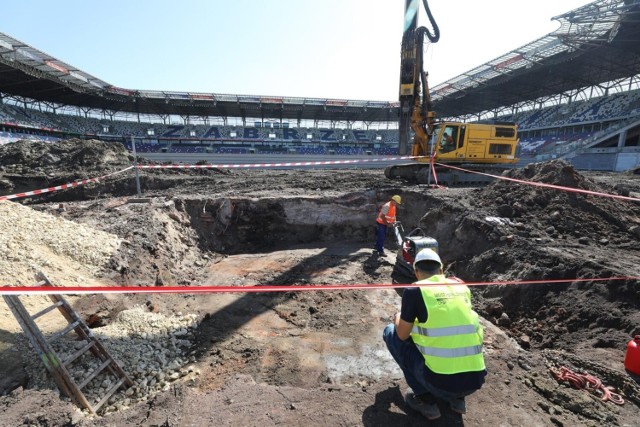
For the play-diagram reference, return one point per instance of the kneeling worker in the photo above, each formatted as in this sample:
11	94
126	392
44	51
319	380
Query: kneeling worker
436	340
386	217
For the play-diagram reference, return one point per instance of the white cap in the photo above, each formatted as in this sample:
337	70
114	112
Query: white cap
427	254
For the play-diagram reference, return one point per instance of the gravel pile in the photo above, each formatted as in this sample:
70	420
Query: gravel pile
153	349
31	241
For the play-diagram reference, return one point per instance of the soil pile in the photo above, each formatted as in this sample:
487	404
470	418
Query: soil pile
590	219
67	157
28	165
510	231
160	247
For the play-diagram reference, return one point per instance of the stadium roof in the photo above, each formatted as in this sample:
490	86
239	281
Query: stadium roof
597	43
30	73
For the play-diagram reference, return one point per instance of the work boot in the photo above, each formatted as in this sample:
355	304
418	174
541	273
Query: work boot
458	405
425	405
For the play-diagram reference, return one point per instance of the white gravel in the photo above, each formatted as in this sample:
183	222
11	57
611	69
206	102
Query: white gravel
67	252
153	349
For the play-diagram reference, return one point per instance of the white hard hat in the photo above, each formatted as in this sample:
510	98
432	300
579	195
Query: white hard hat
427	254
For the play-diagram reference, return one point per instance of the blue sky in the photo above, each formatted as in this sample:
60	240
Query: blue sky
347	49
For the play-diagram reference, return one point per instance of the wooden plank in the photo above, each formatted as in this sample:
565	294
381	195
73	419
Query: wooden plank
46	310
74	356
39	344
79	396
63	332
120	373
94	374
110	392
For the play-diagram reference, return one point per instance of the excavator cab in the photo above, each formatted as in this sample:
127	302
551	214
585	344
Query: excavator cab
451	145
448	136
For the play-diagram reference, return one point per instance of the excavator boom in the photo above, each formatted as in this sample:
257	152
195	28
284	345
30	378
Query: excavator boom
415	102
486	147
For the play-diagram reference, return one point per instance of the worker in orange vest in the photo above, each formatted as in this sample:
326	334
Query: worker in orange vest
386	217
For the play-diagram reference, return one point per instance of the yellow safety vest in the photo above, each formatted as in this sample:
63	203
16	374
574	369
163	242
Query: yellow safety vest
451	339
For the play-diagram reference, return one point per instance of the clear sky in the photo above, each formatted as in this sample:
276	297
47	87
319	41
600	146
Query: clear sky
347	49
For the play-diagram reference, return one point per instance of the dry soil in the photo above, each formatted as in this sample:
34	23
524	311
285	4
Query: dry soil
314	357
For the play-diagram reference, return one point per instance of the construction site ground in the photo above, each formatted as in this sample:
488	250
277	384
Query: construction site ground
313	357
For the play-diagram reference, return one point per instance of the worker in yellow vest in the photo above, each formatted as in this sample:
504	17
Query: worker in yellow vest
386	217
436	339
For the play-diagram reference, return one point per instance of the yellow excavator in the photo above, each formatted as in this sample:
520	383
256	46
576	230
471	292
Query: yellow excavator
488	147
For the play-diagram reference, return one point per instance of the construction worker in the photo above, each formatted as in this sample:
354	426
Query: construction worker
447	143
436	340
386	217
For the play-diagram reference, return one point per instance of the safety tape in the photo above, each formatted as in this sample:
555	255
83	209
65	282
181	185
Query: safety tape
542	184
80	290
259	165
208	166
433	170
270	165
61	187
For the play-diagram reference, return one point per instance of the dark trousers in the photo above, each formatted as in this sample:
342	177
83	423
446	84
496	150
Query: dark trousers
380	234
411	361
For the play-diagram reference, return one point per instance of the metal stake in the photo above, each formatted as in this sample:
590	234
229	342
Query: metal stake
135	165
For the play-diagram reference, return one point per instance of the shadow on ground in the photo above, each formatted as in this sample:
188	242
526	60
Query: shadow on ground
12	374
224	323
389	409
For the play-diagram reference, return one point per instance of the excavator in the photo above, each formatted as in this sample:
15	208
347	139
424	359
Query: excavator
488	147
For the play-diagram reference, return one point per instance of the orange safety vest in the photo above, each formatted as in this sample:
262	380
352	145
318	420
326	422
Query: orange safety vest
387	214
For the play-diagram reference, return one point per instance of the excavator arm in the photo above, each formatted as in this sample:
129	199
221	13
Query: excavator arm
489	147
416	112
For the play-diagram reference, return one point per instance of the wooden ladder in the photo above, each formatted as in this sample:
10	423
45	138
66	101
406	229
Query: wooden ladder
59	369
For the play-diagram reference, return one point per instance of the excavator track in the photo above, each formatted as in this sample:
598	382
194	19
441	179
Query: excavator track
420	173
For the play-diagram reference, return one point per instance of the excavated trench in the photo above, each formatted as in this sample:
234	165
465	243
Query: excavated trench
483	235
289	227
234	225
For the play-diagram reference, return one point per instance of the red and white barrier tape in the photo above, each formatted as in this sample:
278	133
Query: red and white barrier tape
270	165
333	162
62	290
433	170
542	184
60	187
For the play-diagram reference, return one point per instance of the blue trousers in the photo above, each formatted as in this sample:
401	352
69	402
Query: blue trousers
411	361
380	234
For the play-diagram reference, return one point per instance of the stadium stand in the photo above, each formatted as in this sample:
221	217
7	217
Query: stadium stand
606	108
542	130
573	89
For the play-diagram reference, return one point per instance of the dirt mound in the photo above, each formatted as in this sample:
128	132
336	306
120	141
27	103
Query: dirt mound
510	231
70	156
562	214
556	172
28	165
